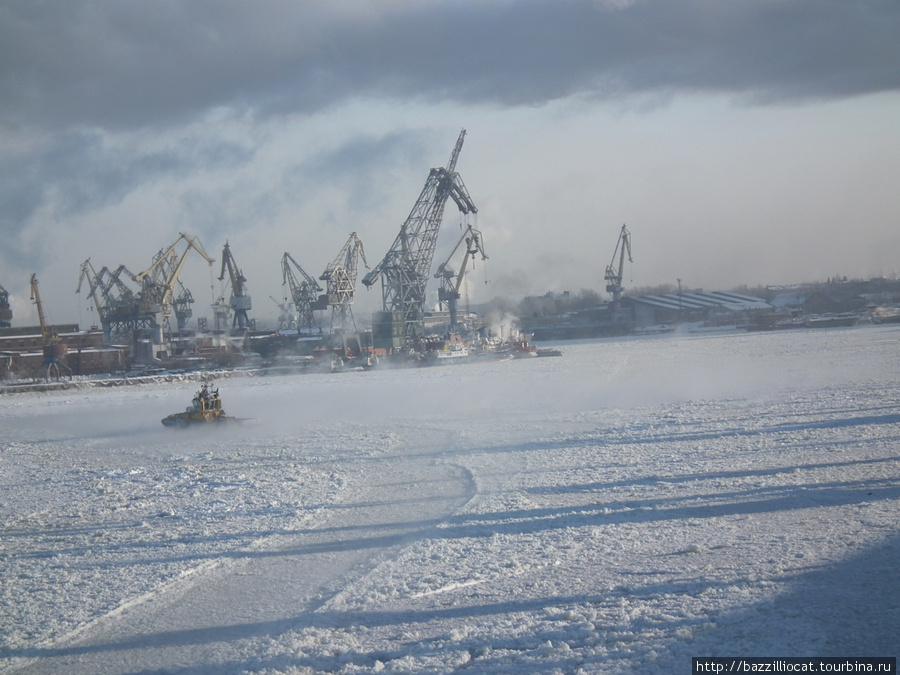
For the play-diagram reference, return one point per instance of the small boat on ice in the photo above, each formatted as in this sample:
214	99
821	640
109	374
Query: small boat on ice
206	408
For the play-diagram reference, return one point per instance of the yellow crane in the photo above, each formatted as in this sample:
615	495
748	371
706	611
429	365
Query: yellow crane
158	281
48	333
54	348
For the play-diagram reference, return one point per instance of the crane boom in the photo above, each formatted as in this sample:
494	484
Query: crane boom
48	333
404	271
114	280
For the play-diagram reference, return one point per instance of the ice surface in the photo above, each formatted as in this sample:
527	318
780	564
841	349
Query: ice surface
620	509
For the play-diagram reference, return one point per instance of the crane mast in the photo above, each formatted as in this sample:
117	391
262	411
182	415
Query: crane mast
240	301
613	274
405	269
340	278
451	281
305	293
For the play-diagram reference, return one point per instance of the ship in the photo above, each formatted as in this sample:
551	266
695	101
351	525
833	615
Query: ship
452	350
206	408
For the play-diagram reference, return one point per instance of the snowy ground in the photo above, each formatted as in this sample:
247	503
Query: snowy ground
622	508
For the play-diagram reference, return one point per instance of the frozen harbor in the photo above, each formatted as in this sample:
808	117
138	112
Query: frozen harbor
620	509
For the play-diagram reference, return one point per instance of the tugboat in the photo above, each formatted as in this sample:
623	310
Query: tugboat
205	408
522	347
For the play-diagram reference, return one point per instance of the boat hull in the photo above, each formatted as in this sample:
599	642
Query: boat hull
195	418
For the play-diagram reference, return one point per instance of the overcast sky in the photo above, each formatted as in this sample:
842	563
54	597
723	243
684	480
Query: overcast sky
742	142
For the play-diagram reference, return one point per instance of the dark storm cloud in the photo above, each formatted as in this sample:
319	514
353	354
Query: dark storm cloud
128	64
363	166
82	171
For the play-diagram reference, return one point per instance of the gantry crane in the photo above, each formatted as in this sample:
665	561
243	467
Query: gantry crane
121	314
340	278
54	348
158	281
115	302
613	274
5	309
405	270
452	281
239	301
305	294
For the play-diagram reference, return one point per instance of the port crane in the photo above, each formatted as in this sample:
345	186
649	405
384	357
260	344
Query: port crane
340	278
5	309
240	301
115	302
158	281
54	348
94	280
451	281
405	269
305	293
120	315
95	283
614	274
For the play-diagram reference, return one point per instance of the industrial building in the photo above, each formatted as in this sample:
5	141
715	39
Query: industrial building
23	354
717	308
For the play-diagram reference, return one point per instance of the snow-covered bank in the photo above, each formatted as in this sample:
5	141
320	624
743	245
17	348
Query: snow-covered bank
630	505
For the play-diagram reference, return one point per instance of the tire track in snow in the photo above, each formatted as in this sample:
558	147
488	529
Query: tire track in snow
217	619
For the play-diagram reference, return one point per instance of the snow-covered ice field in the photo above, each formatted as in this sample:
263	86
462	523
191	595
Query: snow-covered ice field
620	509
